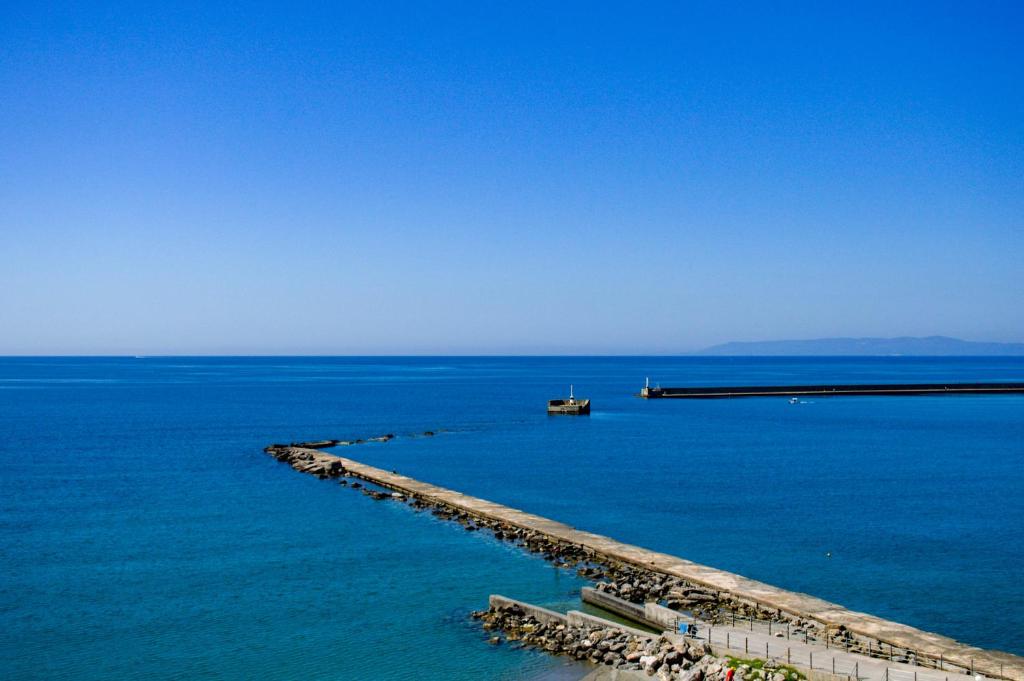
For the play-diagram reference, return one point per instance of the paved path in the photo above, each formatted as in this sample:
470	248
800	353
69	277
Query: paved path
740	641
989	662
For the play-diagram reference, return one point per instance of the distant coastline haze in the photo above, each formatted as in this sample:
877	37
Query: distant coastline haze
932	346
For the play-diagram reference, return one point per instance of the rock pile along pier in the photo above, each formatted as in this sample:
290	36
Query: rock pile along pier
585	637
639	575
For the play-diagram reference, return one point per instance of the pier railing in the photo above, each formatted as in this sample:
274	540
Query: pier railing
803	656
782	634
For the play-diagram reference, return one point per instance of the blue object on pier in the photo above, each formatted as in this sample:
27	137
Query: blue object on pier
684	628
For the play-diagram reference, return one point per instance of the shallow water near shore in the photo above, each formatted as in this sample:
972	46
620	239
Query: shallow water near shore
144	534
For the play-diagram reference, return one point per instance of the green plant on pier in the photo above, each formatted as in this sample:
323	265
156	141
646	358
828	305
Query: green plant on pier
791	673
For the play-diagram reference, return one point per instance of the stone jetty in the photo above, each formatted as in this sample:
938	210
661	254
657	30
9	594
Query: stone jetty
639	575
308	460
585	639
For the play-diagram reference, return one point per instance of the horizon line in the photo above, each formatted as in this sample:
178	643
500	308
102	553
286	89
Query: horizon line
698	354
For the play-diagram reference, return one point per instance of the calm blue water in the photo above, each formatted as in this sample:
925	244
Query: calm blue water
143	534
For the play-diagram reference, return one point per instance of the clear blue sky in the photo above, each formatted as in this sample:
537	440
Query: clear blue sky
507	177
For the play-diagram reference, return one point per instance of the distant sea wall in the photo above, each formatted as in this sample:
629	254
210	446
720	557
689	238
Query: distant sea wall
639	575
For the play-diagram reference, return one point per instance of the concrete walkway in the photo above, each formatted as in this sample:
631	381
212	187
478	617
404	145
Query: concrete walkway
742	642
765	640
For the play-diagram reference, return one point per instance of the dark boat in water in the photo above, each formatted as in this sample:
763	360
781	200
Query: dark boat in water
569	406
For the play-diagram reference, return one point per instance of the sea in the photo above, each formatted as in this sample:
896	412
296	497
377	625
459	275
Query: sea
144	534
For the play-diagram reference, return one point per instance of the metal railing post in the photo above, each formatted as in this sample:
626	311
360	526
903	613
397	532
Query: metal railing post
746	646
727	640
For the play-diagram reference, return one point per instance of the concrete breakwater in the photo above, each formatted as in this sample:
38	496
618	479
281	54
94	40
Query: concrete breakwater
639	575
894	389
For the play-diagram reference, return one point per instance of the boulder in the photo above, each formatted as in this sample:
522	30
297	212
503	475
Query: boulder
649	663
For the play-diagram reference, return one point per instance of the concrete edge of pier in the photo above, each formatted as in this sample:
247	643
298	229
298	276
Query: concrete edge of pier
573	617
992	663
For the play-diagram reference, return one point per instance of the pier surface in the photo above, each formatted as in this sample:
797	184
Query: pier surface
989	662
894	389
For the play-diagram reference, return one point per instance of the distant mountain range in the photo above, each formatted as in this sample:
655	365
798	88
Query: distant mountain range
930	346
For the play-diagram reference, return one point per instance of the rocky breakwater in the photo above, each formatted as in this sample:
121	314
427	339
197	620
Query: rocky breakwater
630	582
626	581
629	579
675	658
306	460
637	584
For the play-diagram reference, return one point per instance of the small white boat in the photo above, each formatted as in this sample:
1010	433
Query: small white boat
794	400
